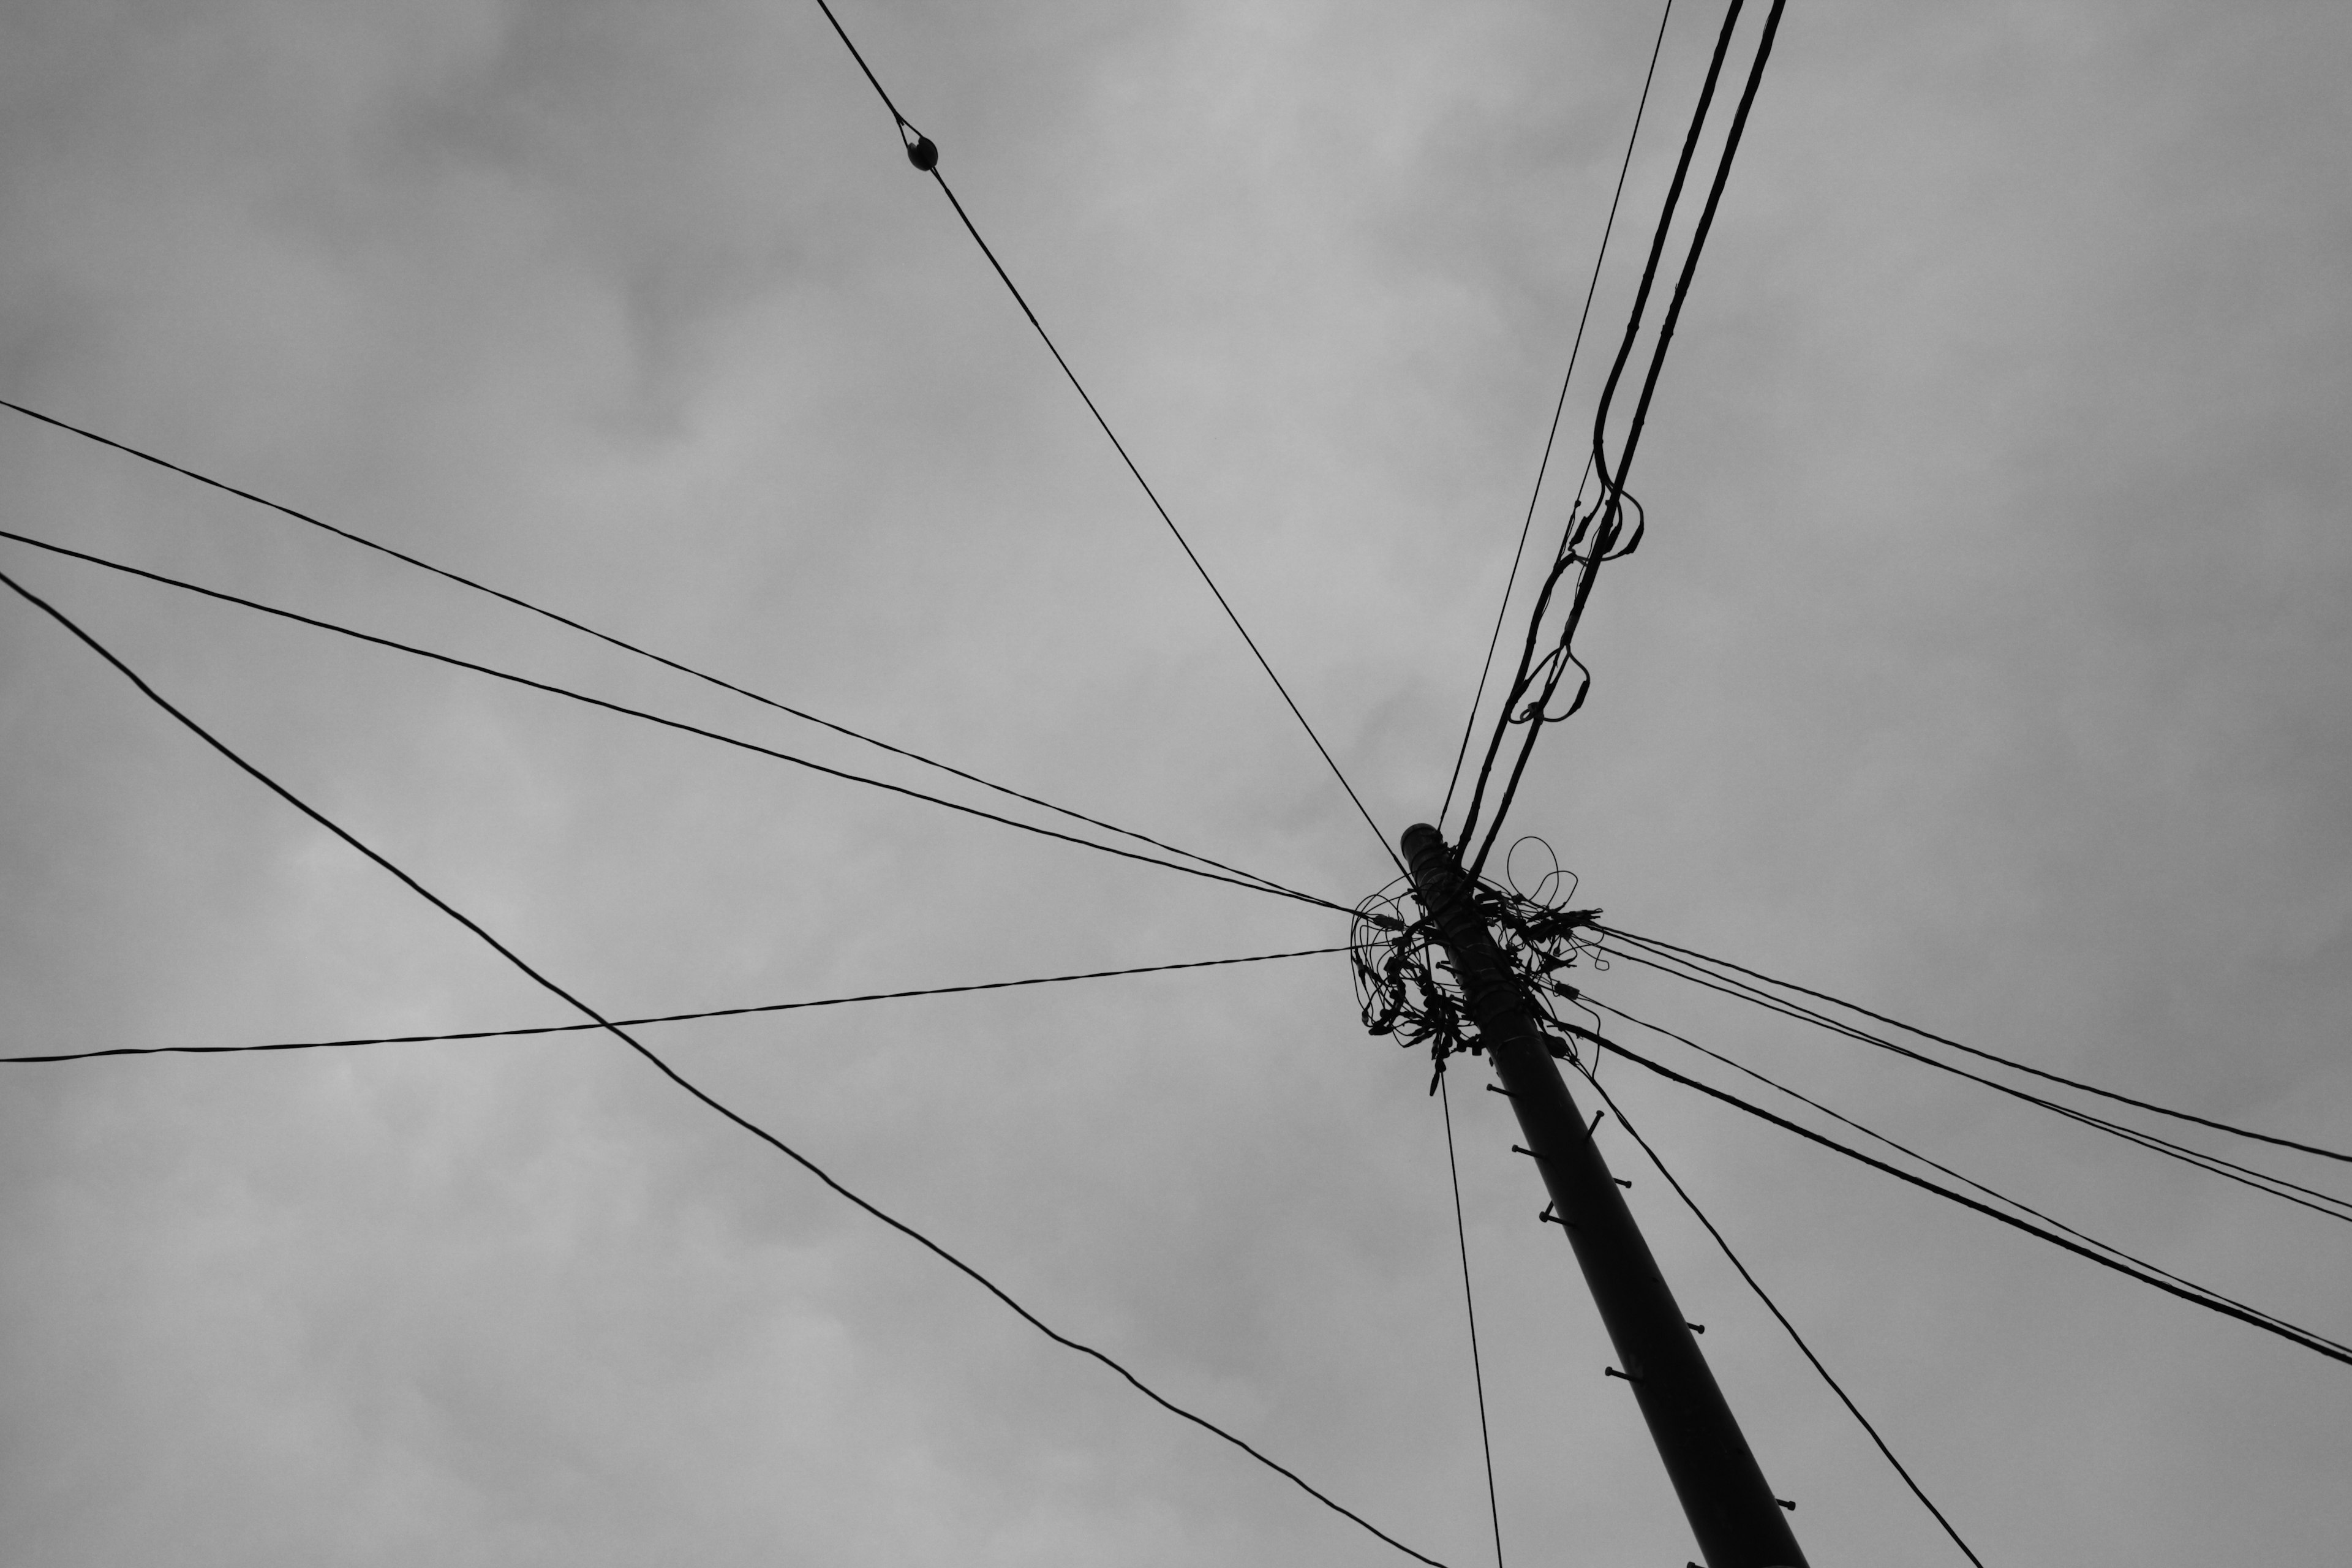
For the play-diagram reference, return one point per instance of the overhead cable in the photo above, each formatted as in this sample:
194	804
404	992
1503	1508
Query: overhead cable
1602	528
875	81
1526	673
2265	1182
924	154
617	1032
622	643
1543	466
1910	1153
663	1018
2212	1302
1256	885
1779	1316
2043	1073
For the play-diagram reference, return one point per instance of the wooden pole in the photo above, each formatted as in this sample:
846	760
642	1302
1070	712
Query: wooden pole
1722	1489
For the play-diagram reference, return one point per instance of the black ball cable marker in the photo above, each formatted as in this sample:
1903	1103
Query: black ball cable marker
922	151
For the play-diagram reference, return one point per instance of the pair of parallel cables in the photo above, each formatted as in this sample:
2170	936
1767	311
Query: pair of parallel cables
1605	531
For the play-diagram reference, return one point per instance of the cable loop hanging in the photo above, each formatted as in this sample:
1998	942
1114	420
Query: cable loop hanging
1408	989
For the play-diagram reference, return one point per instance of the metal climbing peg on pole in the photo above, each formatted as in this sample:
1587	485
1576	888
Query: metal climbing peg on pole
1732	1511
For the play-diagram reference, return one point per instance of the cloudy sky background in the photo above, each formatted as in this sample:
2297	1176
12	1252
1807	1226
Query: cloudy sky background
1990	661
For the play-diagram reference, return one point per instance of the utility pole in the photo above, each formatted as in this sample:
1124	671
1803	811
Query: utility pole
1722	1490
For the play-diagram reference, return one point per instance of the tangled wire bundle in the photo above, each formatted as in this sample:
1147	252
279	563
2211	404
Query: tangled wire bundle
1406	987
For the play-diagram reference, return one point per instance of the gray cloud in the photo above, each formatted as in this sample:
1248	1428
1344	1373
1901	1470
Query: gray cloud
1987	661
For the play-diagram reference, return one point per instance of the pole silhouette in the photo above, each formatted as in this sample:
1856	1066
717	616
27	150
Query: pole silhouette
1731	1509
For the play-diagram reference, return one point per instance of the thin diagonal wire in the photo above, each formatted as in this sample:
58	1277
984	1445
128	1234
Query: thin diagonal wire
1502	610
2295	1192
1470	1310
662	1018
879	90
1693	955
1153	496
676	1077
622	643
906	127
1255	885
2211	1300
1782	1319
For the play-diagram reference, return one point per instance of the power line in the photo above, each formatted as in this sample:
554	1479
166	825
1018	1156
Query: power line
619	1033
1256	652
1523	674
1781	1318
1470	1309
925	156
2210	1301
1256	885
1606	518
664	1017
1543	467
1910	1153
1691	954
622	643
879	90
2263	1182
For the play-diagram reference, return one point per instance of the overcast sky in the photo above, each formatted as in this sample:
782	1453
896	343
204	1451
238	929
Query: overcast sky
1989	661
